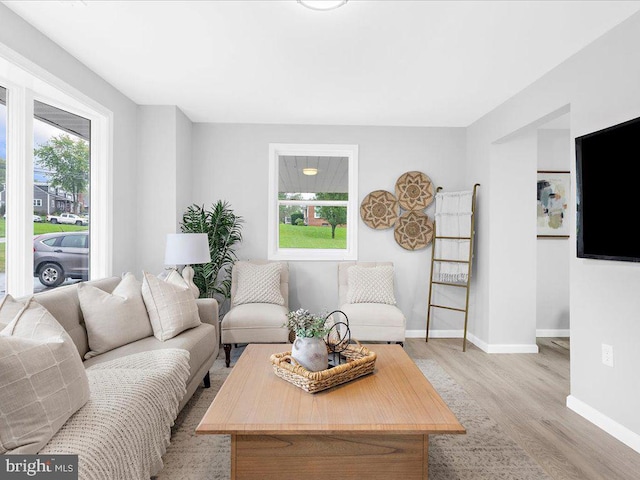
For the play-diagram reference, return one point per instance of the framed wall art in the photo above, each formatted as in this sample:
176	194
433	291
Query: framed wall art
553	203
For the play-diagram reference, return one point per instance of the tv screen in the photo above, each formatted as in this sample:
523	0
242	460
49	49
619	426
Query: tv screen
608	193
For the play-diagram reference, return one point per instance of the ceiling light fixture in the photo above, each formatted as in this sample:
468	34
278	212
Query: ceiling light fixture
310	171
322	5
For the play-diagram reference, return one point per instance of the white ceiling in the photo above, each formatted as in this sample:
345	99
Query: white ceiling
421	63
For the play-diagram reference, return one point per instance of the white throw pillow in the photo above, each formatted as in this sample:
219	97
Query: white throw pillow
114	319
170	305
371	284
258	283
42	379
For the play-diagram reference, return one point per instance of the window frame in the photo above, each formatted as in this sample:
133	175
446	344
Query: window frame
274	252
26	82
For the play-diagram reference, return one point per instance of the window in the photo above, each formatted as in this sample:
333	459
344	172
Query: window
31	101
3	186
61	165
313	207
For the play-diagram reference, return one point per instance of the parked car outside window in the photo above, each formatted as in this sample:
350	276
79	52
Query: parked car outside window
61	255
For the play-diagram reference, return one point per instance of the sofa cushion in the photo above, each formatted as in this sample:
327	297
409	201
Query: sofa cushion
9	309
198	341
258	283
42	378
375	322
371	284
114	319
170	305
63	303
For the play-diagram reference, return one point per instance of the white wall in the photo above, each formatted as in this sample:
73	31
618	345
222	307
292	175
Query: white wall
230	162
184	171
600	84
165	177
156	164
552	305
513	181
28	42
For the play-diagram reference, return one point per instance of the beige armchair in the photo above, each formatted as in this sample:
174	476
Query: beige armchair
259	305
367	297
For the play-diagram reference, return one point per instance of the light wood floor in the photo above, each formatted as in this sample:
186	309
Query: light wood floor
526	394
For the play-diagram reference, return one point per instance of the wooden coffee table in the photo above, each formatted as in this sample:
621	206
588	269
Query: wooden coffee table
374	427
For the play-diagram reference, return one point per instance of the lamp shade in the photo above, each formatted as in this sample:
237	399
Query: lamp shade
187	249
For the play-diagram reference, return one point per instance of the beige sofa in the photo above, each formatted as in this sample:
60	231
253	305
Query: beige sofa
202	342
132	394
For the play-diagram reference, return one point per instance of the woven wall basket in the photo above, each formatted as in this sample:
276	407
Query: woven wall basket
414	191
413	230
380	209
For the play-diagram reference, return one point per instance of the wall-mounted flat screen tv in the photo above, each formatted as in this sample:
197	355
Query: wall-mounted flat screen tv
608	193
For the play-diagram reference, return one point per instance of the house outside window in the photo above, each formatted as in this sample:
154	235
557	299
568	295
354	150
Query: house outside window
313	202
37	202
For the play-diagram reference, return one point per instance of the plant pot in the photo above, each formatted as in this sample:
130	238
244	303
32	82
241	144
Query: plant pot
311	353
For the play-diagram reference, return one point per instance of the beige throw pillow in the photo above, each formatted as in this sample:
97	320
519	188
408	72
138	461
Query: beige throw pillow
371	284
258	283
114	319
170	305
42	379
9	308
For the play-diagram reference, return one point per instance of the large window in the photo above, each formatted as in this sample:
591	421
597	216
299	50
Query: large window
61	166
3	188
55	159
313	195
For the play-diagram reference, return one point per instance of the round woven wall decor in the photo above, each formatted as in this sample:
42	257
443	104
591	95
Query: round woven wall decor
379	209
414	191
413	230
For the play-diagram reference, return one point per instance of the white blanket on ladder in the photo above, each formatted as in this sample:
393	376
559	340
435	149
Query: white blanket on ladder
453	219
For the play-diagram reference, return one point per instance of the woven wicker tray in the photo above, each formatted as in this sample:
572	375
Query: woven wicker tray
360	361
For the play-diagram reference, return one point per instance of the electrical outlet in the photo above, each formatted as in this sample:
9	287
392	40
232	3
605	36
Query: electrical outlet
607	355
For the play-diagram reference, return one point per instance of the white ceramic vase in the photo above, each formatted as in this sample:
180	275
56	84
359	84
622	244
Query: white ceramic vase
311	353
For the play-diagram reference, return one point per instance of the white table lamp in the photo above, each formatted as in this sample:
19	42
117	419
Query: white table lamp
187	249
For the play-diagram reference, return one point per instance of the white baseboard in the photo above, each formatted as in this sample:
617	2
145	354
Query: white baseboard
501	348
415	333
482	345
560	332
434	333
613	428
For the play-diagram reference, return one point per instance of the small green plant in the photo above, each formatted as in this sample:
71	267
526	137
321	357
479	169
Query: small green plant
300	222
306	324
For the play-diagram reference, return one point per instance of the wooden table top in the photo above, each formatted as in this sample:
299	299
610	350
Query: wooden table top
395	399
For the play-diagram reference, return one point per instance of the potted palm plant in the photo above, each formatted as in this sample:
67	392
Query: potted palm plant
224	230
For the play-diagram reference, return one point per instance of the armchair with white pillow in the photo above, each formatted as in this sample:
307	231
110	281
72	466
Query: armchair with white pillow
259	305
367	298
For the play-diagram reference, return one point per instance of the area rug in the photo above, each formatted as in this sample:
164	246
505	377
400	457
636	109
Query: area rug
484	453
